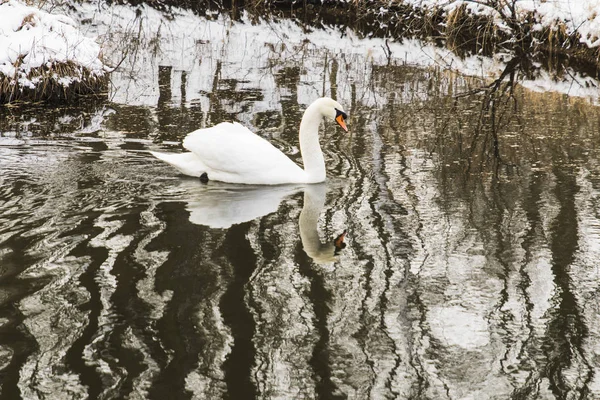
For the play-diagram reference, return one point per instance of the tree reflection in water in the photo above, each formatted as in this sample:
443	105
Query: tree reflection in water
470	272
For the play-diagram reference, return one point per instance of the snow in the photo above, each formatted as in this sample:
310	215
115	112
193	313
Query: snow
194	44
31	38
243	52
578	16
581	16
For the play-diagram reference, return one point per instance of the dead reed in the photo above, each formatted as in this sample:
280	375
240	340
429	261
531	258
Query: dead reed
460	29
59	81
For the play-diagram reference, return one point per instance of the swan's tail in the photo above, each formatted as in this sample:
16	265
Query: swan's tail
186	163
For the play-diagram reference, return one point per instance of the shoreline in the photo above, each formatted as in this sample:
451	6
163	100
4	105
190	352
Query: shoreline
459	30
45	57
383	33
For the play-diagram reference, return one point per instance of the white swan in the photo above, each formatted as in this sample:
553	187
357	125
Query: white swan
229	152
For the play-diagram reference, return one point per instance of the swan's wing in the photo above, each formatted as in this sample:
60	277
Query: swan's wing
232	148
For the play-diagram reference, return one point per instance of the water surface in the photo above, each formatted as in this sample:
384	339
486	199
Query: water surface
470	269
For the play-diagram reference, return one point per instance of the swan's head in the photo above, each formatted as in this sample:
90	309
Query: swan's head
332	110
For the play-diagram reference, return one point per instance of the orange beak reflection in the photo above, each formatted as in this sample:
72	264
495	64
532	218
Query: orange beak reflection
340	120
339	243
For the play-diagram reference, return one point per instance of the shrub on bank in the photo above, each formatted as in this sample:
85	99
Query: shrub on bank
45	57
527	27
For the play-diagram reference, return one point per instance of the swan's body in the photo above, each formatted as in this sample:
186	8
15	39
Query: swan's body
229	152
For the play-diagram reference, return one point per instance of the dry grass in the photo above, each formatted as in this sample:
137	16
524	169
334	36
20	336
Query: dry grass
461	30
29	20
48	86
57	81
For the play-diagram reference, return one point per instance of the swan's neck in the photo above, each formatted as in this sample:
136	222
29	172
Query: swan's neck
310	148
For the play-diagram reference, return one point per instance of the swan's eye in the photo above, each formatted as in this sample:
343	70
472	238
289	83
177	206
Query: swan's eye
338	113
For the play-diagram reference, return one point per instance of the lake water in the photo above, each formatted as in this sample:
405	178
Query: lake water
473	229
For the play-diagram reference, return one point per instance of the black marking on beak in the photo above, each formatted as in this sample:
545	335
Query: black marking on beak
343	114
340	118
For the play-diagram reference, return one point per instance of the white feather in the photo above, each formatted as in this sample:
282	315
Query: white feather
229	152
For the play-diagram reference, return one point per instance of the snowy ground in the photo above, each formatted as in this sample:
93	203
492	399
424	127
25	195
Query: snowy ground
577	16
31	38
242	51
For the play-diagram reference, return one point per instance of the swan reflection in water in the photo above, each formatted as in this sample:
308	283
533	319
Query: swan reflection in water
223	205
314	202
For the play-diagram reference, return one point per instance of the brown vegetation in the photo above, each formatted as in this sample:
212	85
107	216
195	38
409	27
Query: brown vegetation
48	85
54	81
461	30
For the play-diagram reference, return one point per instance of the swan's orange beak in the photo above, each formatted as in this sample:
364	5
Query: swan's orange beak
340	120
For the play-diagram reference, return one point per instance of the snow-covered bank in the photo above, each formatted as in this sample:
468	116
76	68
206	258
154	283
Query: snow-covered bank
196	50
44	55
578	17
